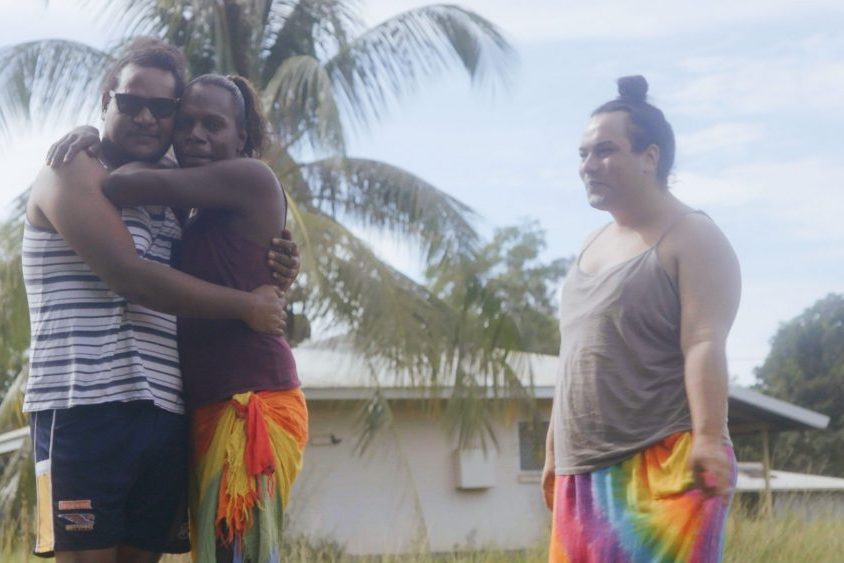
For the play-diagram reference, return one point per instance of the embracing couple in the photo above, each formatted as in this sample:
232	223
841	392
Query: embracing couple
113	263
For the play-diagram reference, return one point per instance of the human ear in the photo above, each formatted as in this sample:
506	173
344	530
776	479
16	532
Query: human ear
651	159
104	100
241	140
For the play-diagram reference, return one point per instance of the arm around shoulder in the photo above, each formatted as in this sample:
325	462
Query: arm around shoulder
71	200
236	184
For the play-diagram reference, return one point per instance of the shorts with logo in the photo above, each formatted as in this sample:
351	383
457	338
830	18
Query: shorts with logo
109	475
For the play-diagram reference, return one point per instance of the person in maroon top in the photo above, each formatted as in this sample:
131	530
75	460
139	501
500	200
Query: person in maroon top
248	415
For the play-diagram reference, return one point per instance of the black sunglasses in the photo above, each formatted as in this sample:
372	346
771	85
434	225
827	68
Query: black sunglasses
131	105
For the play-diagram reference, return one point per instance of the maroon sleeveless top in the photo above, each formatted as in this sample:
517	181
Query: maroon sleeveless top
222	357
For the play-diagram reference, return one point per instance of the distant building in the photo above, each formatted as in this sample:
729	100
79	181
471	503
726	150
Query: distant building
412	489
793	494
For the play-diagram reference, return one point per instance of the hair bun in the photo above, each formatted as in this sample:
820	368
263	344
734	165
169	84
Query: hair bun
632	88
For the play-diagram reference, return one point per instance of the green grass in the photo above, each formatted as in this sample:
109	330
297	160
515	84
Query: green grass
749	540
784	540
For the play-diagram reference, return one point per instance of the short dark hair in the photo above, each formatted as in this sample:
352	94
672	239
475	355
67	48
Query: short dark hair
149	52
648	125
249	113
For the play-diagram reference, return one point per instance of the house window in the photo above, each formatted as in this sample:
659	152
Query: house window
532	445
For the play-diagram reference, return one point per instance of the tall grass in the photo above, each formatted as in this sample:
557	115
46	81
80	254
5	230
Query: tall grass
749	540
784	540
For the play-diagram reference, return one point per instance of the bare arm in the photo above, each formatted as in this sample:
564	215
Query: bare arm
72	202
549	469
710	287
237	184
246	187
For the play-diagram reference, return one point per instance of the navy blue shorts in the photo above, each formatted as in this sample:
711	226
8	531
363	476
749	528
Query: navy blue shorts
110	475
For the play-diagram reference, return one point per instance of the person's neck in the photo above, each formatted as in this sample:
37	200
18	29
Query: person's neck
112	155
646	211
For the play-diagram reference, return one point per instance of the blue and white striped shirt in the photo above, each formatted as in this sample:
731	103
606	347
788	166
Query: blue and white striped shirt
89	345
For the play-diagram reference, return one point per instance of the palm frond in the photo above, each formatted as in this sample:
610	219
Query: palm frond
301	105
377	194
307	27
17	501
373	417
218	36
14	319
391	59
14	314
49	80
389	315
11	415
288	171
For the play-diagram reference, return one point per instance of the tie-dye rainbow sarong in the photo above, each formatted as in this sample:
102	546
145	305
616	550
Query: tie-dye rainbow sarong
644	509
246	454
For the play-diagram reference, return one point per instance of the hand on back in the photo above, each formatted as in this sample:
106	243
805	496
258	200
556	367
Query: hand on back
84	138
283	259
268	313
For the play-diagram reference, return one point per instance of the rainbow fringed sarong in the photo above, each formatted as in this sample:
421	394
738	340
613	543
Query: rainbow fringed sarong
246	454
644	509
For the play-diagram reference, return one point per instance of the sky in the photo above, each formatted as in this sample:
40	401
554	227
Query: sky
753	89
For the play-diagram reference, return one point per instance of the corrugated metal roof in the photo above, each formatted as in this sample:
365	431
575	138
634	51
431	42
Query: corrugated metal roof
751	479
338	373
12	441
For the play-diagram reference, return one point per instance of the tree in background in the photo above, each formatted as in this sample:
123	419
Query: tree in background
14	317
506	290
806	367
320	72
505	300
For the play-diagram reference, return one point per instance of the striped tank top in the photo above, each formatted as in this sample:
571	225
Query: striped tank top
89	345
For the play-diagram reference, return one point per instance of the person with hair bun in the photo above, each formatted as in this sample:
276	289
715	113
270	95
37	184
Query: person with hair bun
249	421
639	465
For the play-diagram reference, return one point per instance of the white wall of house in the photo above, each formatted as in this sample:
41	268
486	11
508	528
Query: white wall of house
401	495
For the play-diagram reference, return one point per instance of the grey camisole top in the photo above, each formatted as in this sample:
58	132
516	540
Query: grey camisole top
620	381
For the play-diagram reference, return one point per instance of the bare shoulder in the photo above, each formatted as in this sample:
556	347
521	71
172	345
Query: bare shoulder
82	174
590	238
56	191
251	169
251	173
696	235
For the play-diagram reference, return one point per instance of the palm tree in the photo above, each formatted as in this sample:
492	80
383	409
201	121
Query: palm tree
320	73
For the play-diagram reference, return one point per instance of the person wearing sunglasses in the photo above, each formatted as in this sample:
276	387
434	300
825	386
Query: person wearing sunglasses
243	393
104	394
132	105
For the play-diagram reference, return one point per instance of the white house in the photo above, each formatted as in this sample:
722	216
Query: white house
412	489
792	494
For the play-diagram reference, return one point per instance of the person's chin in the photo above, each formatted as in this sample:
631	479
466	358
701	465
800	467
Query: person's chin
598	201
145	151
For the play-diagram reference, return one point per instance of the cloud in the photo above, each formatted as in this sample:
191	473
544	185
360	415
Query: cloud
803	75
804	195
543	20
723	136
